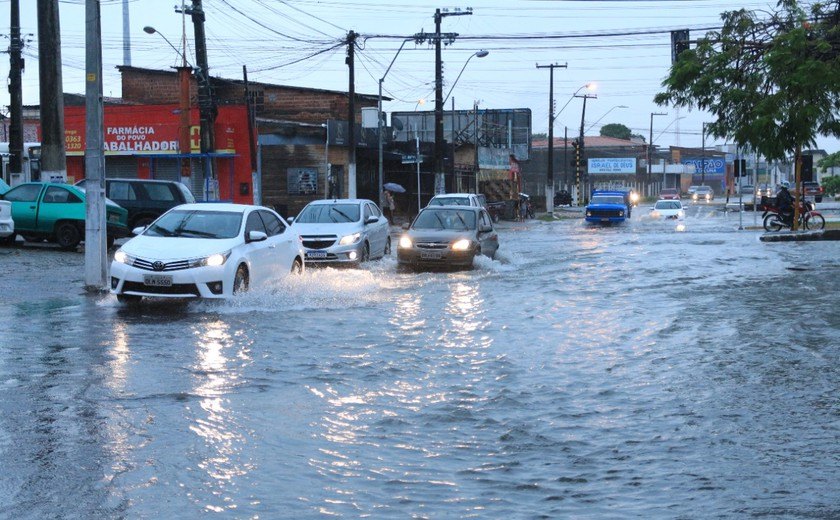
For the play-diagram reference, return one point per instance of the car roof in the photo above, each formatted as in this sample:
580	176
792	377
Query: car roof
219	206
455	195
338	201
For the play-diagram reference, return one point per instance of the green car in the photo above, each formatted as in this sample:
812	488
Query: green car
56	212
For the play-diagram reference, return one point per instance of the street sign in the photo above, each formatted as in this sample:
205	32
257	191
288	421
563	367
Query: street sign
412	159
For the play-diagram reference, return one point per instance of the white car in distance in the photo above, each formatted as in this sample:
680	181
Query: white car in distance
343	231
668	209
206	251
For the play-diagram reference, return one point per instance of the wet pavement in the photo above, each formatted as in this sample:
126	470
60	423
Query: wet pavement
655	370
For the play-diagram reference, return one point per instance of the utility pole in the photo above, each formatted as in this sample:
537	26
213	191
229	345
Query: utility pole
53	159
252	144
549	178
351	117
206	103
126	34
703	158
650	151
16	94
95	225
579	181
440	183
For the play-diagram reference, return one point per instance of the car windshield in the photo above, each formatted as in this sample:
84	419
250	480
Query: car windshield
449	201
704	189
607	199
196	224
667	204
328	214
445	219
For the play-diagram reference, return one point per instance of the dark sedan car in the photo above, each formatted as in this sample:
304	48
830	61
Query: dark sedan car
145	199
447	237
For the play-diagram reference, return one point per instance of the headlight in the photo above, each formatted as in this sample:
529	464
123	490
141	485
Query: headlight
694	197
121	257
654	214
461	245
349	239
588	213
620	213
634	197
707	196
681	213
210	261
405	242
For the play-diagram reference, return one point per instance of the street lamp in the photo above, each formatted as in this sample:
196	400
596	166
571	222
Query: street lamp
151	30
479	54
605	115
650	144
588	86
379	110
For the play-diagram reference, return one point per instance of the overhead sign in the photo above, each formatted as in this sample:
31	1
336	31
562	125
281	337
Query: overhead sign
713	164
613	166
412	159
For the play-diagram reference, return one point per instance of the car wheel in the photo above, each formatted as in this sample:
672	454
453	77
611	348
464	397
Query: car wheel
129	298
387	247
297	267
240	280
8	241
67	236
365	253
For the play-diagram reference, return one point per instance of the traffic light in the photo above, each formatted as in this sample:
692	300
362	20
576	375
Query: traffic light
679	43
807	173
740	167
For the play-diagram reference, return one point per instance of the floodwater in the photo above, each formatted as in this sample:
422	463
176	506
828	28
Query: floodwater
645	370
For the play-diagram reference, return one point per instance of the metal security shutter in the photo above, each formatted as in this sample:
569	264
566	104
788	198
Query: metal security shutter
166	170
120	167
196	182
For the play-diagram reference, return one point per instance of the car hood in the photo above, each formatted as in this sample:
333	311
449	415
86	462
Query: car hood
174	248
606	206
439	235
340	229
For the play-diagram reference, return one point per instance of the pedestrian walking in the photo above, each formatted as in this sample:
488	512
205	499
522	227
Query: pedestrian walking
388	205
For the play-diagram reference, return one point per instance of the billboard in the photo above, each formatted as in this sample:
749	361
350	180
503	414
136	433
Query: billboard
612	166
713	164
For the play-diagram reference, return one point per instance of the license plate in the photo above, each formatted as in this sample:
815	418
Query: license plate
431	255
605	219
157	280
317	254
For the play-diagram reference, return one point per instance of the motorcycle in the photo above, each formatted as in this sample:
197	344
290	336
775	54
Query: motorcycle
808	218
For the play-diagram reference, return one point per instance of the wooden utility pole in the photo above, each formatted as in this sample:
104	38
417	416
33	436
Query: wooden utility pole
53	159
351	116
16	94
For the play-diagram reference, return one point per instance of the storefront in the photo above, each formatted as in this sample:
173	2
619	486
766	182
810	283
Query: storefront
142	141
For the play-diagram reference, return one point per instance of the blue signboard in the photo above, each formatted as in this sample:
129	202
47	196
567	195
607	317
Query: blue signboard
713	164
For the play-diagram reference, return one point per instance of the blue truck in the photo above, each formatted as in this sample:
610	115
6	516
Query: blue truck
606	207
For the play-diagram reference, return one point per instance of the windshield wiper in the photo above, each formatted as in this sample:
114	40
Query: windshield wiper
198	233
442	225
464	222
341	213
163	231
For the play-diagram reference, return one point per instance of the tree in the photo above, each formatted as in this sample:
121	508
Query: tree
539	135
831	184
829	161
616	130
772	80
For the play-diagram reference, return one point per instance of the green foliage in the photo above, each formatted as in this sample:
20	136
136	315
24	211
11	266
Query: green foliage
539	135
616	130
772	80
829	161
831	184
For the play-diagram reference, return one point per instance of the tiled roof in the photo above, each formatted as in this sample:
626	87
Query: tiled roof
590	141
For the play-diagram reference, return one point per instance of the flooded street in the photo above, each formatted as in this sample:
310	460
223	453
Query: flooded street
629	371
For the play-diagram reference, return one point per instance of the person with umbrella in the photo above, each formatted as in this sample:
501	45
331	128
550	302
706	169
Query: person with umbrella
388	205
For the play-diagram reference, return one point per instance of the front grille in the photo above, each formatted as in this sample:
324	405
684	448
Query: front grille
318	241
432	245
148	265
176	288
605	213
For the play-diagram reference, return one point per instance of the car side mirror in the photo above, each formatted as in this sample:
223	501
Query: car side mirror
406	226
371	220
255	236
139	230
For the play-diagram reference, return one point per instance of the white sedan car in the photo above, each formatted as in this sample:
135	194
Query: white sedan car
343	231
668	209
206	251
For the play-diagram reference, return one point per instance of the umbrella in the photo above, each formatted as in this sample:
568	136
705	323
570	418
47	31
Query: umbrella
393	186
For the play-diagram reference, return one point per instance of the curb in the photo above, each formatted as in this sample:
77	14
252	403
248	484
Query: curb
802	236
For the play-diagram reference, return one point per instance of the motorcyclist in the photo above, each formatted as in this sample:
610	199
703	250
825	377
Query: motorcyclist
784	202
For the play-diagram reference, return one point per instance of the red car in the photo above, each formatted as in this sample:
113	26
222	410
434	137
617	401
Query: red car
813	189
669	194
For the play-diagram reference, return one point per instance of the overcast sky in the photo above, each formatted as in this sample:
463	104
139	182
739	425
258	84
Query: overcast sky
623	47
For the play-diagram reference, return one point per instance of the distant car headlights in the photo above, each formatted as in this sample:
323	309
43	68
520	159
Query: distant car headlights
694	197
461	245
405	242
210	261
350	239
123	258
634	197
654	214
588	213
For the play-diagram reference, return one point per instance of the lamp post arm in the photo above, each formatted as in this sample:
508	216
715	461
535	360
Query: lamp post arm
459	77
394	59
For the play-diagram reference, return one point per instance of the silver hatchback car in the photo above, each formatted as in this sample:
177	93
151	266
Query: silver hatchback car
343	231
